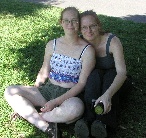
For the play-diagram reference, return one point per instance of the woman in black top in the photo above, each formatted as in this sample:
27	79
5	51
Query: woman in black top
105	81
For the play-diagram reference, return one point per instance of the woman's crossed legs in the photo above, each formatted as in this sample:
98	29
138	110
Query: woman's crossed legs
23	100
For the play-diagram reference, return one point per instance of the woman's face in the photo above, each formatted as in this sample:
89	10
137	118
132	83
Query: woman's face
70	22
89	28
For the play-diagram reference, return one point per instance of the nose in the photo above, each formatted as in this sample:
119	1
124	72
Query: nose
70	23
89	29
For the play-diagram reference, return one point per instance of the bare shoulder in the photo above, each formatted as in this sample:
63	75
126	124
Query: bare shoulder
116	46
115	41
49	47
90	48
89	52
50	44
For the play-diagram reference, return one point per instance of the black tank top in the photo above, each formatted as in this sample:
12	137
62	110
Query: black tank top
106	62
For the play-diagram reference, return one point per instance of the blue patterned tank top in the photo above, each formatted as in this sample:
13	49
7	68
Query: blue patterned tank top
64	68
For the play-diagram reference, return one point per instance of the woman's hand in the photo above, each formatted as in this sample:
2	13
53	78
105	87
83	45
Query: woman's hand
37	84
40	80
50	105
106	100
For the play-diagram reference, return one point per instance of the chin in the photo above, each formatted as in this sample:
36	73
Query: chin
89	38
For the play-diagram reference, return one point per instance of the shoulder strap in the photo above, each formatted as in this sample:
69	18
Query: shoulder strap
108	43
83	51
54	45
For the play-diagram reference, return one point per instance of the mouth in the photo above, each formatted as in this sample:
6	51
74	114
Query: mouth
70	28
89	35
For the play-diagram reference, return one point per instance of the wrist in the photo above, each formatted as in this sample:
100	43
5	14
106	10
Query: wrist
54	101
108	95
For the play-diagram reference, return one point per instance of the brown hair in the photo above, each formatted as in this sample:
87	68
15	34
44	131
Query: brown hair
94	15
70	9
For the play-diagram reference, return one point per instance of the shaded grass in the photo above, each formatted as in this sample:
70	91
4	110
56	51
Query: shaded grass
25	28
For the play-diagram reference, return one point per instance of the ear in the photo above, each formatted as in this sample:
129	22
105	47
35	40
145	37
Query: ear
99	29
60	22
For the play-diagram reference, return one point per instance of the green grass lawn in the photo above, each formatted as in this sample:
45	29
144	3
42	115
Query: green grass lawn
24	31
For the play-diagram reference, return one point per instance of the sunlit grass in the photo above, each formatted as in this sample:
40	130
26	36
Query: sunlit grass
24	31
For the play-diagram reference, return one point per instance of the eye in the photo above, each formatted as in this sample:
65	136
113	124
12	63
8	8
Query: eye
84	28
66	21
93	26
74	21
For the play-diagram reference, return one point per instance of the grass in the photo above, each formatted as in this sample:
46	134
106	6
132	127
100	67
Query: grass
25	29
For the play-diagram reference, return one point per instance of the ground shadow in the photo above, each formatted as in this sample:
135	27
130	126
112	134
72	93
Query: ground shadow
63	131
18	8
45	2
135	18
30	58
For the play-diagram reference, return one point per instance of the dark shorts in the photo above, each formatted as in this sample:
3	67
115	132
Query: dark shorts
50	91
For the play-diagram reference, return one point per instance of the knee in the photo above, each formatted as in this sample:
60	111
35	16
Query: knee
75	107
78	106
10	91
68	111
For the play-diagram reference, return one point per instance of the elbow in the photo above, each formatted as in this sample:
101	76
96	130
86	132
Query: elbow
122	74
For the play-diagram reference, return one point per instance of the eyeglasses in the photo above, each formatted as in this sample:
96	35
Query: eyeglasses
65	21
91	27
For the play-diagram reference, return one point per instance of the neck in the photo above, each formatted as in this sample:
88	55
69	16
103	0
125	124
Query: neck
71	40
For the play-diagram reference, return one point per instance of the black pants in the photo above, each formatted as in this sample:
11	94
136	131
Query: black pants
97	84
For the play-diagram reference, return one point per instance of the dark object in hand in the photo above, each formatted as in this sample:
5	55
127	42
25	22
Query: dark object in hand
99	108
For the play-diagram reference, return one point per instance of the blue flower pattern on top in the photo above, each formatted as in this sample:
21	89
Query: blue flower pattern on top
65	69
